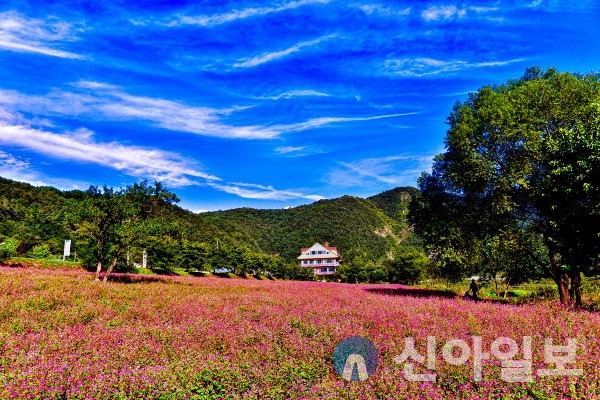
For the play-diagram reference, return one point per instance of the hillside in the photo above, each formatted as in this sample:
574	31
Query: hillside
46	216
394	203
365	227
350	223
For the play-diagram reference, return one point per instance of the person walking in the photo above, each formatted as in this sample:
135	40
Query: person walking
474	288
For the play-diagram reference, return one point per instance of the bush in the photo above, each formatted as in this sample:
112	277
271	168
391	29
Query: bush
8	248
41	251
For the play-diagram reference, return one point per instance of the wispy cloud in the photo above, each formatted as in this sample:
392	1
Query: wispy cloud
480	10
296	93
254	191
22	34
437	13
418	67
289	149
18	170
317	122
386	11
80	146
97	100
268	57
394	170
21	170
241	14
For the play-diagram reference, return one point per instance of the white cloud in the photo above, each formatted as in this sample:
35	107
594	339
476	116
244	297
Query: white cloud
80	146
22	34
394	170
436	13
317	122
96	100
289	149
254	191
235	15
480	10
296	93
22	171
383	10
267	57
417	67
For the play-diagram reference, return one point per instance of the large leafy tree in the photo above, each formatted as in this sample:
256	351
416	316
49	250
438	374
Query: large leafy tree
524	156
115	219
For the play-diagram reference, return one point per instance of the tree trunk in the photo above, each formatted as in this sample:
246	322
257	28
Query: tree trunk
575	291
98	269
496	283
563	288
99	258
508	279
114	262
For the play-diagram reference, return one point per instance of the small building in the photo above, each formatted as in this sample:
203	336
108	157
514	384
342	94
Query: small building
323	259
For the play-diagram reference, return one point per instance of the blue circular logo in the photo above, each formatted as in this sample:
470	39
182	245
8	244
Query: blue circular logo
355	358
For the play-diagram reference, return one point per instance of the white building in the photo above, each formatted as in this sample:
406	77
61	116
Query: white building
323	259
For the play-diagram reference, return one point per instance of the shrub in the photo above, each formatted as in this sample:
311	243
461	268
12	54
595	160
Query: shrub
8	248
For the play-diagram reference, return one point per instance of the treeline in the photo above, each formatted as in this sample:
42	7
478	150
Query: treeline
111	228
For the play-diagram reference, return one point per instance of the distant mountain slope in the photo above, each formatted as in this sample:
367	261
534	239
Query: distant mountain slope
394	203
350	223
36	215
370	227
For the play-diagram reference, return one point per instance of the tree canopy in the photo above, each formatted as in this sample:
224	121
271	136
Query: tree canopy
522	160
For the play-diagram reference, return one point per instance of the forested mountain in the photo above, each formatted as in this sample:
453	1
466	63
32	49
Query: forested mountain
42	217
394	203
352	224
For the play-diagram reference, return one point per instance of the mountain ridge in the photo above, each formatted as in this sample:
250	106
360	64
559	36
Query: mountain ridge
367	227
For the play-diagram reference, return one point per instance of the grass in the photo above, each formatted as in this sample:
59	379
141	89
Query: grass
62	335
43	263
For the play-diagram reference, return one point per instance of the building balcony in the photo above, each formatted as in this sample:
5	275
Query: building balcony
319	271
314	264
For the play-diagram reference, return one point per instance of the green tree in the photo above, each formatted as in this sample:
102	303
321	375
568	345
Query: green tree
523	155
8	248
115	219
41	251
408	265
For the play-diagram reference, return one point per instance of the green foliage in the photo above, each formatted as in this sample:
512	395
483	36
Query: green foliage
8	248
409	265
41	251
106	224
348	222
395	202
521	158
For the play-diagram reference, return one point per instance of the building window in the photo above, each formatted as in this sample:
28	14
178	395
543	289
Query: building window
331	269
330	261
323	269
313	252
319	261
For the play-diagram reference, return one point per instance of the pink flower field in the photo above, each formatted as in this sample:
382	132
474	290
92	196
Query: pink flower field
64	336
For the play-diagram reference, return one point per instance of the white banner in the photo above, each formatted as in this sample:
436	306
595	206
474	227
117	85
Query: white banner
67	251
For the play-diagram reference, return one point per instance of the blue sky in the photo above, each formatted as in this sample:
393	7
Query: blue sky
265	104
